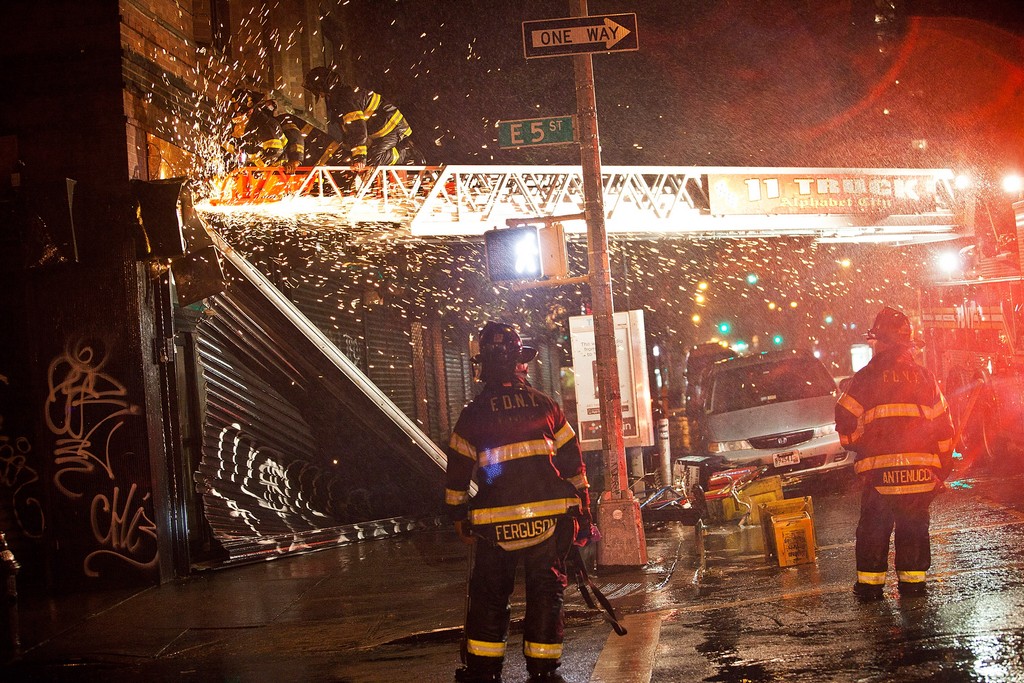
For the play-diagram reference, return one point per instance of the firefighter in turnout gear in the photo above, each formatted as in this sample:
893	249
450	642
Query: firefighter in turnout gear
894	417
295	131
371	128
532	503
254	130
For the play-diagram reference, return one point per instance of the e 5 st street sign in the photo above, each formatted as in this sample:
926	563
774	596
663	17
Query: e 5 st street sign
580	35
555	130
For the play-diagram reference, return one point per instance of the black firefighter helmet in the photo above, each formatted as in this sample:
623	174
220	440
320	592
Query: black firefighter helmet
891	326
501	350
320	80
244	100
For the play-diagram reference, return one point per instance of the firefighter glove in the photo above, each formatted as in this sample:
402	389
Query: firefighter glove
586	530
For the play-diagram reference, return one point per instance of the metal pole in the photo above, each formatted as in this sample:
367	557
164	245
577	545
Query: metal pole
623	542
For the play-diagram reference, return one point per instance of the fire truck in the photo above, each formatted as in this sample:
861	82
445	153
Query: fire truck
973	331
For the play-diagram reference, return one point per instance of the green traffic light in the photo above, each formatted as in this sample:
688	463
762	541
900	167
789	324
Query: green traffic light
777	340
724	327
752	278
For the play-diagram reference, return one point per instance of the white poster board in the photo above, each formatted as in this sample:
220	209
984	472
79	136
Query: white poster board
860	354
634	385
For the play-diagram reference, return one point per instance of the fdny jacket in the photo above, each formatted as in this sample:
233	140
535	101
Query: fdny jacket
527	462
261	137
895	418
364	117
295	132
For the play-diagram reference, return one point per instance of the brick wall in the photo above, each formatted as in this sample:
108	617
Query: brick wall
103	91
176	88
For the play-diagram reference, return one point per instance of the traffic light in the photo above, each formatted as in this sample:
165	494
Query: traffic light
777	340
554	260
725	327
513	253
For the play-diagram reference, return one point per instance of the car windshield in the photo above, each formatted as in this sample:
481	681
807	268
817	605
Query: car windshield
777	381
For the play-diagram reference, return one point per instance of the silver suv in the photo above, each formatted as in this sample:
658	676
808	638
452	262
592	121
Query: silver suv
775	408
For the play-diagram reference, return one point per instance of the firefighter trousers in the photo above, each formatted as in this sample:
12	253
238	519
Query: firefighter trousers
491	585
879	515
391	149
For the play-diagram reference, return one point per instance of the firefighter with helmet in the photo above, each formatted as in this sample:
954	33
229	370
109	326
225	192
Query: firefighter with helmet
266	138
532	503
894	417
295	130
254	130
372	129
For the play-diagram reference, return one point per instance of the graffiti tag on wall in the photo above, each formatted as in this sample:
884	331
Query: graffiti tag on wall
85	408
22	479
122	529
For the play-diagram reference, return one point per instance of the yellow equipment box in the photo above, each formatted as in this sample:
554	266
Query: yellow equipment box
794	539
785	507
788	529
755	494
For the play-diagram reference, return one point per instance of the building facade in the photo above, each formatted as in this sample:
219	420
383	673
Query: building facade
161	407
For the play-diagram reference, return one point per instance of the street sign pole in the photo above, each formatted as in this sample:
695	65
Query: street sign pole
622	543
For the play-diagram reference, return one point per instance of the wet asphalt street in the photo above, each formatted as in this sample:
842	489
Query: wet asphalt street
757	623
391	611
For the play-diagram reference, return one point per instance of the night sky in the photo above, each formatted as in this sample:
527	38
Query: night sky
737	83
742	82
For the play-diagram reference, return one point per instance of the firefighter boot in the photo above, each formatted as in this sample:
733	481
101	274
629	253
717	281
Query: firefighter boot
867	592
912	588
466	675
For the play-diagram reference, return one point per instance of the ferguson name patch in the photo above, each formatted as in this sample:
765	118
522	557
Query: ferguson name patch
520	531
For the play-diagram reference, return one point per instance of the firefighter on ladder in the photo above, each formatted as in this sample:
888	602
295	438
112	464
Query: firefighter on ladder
260	138
254	131
372	129
295	131
532	503
894	417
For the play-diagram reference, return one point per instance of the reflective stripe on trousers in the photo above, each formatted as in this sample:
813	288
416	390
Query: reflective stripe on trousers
493	581
880	515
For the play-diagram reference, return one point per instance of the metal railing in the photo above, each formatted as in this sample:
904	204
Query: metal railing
460	201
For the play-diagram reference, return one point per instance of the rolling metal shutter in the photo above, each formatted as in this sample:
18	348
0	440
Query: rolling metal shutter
338	315
389	355
459	377
299	450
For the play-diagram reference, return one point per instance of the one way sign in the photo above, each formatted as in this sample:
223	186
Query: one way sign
579	35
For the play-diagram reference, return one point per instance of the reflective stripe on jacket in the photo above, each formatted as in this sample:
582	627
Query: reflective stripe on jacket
515	442
894	417
295	131
263	139
364	116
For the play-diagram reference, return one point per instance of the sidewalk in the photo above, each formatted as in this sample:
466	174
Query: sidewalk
303	617
392	610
